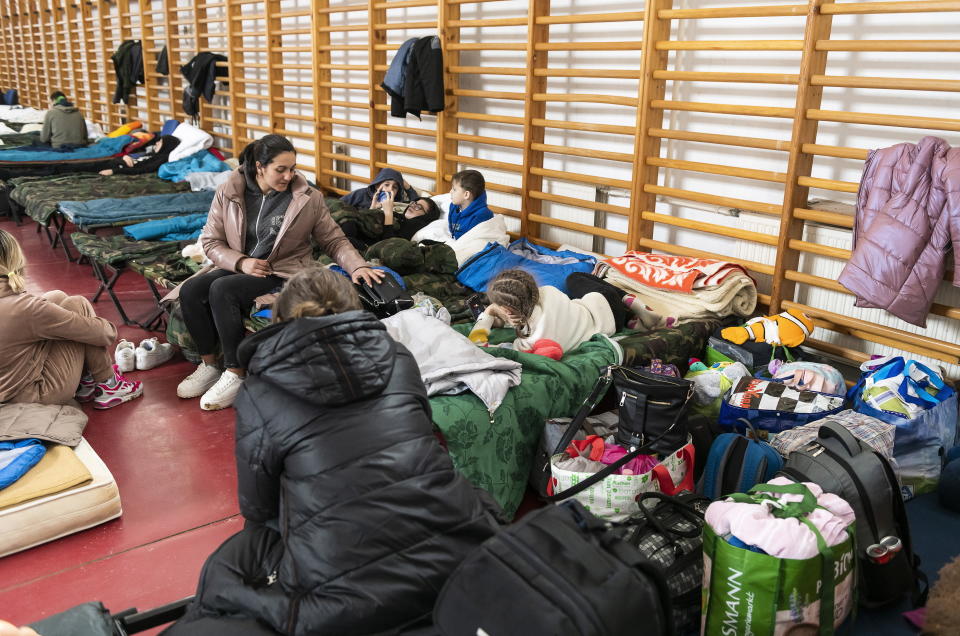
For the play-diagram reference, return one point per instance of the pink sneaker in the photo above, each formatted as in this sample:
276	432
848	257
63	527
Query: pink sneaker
124	391
86	391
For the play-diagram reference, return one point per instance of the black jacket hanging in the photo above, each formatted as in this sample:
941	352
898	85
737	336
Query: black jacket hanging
423	88
128	64
201	72
163	64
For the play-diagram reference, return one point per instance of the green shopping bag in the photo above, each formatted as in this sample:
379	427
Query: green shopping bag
748	593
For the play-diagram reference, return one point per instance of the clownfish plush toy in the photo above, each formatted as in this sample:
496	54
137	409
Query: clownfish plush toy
789	328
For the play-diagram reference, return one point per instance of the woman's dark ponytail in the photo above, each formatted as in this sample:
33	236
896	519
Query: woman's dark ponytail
263	150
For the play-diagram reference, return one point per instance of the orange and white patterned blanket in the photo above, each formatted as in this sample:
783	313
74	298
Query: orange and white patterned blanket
674	273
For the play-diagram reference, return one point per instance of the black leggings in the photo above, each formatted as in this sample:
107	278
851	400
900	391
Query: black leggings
215	305
579	284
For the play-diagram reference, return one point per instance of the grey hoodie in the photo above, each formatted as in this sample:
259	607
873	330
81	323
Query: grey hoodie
64	125
264	216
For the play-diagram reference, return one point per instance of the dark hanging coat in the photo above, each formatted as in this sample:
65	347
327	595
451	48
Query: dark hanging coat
414	80
355	515
163	62
128	64
423	89
201	73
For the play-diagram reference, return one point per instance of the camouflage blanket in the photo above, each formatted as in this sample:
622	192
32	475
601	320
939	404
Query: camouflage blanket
40	196
119	248
165	270
177	334
369	222
15	140
673	346
427	267
497	453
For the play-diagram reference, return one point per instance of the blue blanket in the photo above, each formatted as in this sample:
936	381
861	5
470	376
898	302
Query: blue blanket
16	458
177	228
202	161
119	211
106	147
548	267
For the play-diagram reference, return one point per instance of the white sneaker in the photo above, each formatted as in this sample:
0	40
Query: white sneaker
197	383
223	393
152	353
125	356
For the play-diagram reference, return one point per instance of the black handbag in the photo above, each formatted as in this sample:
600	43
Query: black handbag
384	298
653	411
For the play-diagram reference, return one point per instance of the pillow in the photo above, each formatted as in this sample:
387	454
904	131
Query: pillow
192	141
443	201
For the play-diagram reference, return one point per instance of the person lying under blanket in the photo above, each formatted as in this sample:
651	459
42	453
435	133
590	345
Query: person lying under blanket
157	155
547	321
365	227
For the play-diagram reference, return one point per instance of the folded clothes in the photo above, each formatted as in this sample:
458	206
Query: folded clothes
595	449
808	376
787	538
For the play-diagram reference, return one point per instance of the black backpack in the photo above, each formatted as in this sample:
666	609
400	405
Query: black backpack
558	571
667	531
845	466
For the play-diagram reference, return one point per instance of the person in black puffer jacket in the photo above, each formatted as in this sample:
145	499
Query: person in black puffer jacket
355	514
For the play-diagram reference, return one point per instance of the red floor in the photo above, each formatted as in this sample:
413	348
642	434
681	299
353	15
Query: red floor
173	464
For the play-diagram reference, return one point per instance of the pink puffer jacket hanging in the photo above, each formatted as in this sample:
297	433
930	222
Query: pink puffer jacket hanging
908	216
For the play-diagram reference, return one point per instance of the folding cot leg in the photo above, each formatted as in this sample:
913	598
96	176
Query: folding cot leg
61	225
15	210
155	320
106	285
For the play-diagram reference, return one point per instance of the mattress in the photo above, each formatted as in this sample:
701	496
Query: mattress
47	518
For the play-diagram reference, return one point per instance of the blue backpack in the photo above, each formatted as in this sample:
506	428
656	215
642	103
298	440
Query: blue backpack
736	463
11	97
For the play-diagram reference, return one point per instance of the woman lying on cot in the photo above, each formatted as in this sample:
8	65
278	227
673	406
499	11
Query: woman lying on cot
260	231
417	214
53	346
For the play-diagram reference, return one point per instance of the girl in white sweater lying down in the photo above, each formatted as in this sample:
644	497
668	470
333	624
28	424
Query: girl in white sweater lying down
547	321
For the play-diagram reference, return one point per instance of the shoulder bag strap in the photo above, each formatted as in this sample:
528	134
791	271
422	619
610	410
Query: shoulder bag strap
599	390
611	468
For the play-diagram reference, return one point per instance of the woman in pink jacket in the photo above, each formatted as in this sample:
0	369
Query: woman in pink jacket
258	234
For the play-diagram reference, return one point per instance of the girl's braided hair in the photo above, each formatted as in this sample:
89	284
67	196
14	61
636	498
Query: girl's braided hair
517	290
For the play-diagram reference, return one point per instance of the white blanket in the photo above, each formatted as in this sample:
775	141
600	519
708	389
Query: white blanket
449	362
22	115
207	180
736	295
490	231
